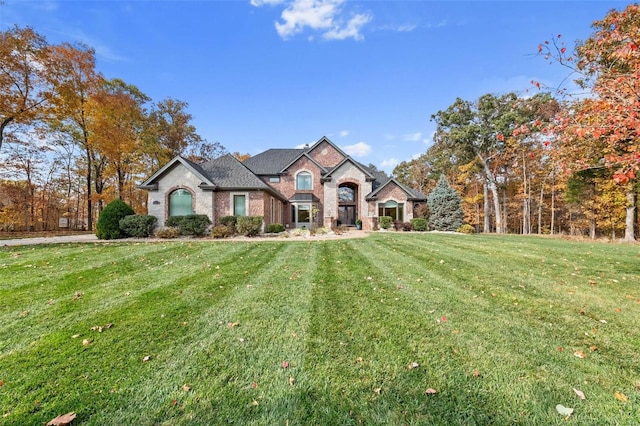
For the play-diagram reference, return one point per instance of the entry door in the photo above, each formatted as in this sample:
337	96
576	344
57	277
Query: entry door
347	215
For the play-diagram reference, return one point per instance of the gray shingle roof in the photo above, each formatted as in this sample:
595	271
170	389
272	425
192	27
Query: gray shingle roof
272	161
227	172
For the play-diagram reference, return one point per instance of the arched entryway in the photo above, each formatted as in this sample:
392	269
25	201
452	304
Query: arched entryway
348	204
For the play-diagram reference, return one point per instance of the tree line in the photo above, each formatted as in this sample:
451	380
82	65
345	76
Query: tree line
554	162
72	140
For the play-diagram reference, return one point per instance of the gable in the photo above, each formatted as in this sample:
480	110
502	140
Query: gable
326	153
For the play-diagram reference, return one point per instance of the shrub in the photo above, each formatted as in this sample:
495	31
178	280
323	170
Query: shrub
419	224
407	226
275	228
299	232
108	226
138	225
385	222
221	231
322	231
466	229
169	232
193	224
249	225
229	222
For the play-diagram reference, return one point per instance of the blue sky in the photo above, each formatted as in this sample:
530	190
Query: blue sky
261	74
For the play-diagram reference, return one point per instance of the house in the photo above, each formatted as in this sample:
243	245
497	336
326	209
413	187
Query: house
317	185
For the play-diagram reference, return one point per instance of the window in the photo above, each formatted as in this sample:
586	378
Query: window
180	203
346	194
274	179
303	181
239	205
393	209
304	213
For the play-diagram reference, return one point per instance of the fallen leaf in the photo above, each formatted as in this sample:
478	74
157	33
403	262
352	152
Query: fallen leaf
359	359
413	365
232	324
560	349
579	354
476	373
254	385
617	310
146	358
603	321
430	391
579	393
254	403
75	336
1	383
108	325
443	318
62	420
292	381
186	387
50	302
377	391
86	342
620	396
24	314
564	410
593	348
174	402
285	364
77	295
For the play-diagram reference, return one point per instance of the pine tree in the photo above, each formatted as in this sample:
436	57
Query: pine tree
445	206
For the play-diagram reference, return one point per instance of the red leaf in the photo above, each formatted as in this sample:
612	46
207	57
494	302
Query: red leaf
443	319
285	364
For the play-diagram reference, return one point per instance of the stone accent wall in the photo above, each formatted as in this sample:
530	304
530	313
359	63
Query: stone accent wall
179	177
326	155
347	172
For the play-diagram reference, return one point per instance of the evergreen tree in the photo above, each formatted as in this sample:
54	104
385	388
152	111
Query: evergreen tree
445	206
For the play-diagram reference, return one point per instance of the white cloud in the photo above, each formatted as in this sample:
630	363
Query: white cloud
360	149
258	3
344	133
324	16
389	164
404	28
412	137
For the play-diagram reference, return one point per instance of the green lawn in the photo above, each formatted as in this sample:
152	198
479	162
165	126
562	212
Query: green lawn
493	323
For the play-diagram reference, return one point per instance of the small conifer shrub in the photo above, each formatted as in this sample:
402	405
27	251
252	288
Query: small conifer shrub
108	226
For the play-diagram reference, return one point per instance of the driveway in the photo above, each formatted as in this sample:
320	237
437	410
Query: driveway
84	238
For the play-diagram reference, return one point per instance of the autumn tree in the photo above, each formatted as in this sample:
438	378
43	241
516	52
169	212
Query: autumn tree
24	88
75	80
604	124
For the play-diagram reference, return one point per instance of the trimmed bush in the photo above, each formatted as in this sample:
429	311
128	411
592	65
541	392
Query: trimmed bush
169	232
274	228
108	226
193	224
419	224
407	226
229	222
466	229
138	225
249	225
385	222
221	231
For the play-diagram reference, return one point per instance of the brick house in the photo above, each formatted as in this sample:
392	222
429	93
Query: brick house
318	185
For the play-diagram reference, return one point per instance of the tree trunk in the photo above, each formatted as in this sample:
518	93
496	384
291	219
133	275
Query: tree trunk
487	210
540	208
630	219
493	187
553	204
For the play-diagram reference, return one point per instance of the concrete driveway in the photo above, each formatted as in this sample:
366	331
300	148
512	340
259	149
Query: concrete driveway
84	238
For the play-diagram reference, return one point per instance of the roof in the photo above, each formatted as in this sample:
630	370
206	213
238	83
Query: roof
222	173
272	161
412	193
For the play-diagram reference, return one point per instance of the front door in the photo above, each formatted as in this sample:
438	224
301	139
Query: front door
347	215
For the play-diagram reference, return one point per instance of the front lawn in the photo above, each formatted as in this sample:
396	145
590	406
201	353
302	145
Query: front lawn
324	332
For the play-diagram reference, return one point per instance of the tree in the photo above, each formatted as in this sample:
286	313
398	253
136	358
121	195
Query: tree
24	91
445	207
75	80
608	66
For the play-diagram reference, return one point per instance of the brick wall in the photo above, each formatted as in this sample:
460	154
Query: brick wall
326	155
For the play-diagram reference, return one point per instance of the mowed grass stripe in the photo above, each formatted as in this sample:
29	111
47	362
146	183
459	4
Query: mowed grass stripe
232	345
533	324
114	281
154	315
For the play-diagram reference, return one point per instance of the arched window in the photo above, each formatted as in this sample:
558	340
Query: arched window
303	181
180	203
